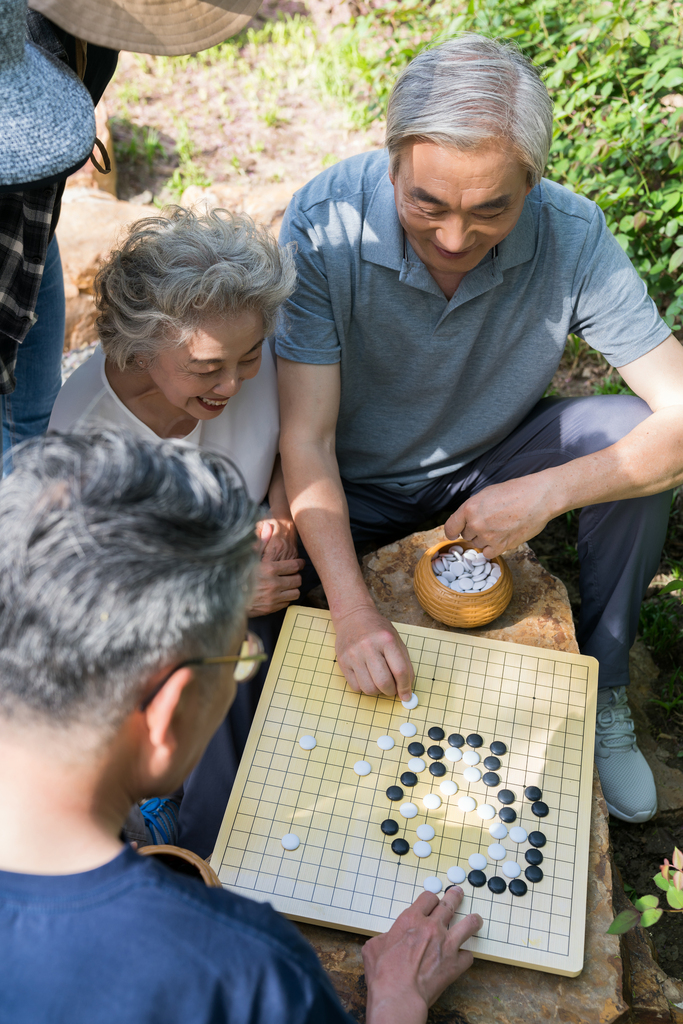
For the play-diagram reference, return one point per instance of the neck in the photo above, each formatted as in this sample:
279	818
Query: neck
60	812
142	396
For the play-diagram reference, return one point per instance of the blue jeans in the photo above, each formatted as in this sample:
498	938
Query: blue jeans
26	412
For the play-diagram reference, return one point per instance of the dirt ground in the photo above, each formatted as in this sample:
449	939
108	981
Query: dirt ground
258	118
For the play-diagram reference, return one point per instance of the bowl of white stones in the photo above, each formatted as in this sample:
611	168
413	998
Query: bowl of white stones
457	585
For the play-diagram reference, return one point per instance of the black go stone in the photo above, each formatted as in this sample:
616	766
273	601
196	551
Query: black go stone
492	763
477	879
395	793
474	740
533	857
435	752
438	769
456	740
436	733
497	885
539	809
533	874
409	779
400	846
449	887
491	779
416	749
537	839
506	796
389	827
532	793
507	814
517	887
498	747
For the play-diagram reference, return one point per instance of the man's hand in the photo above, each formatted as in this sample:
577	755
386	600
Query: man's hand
504	515
279	539
409	966
372	655
277	578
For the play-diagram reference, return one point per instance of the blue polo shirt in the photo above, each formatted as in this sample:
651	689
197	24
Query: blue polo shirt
427	384
135	942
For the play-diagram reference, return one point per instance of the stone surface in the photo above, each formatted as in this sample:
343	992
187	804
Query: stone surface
538	614
669	780
492	993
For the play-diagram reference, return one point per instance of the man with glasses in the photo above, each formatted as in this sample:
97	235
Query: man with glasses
125	573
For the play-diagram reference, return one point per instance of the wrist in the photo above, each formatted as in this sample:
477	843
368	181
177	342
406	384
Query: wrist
390	1006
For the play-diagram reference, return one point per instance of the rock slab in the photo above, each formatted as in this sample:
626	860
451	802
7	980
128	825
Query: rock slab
491	993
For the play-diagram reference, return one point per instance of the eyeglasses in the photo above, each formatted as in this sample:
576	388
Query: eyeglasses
252	653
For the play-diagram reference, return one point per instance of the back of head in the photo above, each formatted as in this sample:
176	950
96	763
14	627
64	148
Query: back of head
468	92
119	556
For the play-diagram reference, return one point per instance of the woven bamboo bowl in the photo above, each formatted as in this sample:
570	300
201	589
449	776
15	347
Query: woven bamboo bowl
465	610
185	862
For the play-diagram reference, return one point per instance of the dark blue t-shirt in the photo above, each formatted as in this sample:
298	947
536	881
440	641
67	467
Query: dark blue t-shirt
133	941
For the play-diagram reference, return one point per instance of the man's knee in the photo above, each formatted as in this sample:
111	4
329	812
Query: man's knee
591	424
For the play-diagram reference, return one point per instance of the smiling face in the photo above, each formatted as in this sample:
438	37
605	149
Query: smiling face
454	206
204	373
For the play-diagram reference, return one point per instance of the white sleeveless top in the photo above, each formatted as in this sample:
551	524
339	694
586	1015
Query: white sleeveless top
247	430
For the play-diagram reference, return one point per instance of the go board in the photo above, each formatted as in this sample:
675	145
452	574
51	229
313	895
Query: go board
537	704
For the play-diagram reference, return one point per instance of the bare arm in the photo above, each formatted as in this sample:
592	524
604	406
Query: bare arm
369	650
647	460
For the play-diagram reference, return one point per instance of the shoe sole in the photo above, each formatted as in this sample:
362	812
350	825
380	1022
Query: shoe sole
635	819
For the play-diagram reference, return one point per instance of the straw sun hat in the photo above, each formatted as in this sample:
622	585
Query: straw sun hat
150	26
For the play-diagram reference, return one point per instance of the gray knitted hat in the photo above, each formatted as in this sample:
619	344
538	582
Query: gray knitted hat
47	121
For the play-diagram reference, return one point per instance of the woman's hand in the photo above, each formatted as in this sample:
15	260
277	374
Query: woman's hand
278	573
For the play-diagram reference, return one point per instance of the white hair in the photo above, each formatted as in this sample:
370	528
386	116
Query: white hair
467	92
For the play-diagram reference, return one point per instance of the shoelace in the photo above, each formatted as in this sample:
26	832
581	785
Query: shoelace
161	819
613	723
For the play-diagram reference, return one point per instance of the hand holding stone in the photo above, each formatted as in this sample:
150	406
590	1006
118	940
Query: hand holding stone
408	967
372	655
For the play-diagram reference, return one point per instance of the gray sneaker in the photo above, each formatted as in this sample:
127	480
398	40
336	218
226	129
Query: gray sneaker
625	775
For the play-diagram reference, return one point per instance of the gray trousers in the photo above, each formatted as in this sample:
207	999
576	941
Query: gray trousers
620	542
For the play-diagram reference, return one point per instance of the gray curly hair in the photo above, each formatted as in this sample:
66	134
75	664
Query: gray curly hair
175	272
467	92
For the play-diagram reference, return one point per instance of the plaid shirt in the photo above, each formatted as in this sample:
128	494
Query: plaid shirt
25	224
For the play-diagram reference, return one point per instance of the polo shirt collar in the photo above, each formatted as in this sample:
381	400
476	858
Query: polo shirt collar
382	244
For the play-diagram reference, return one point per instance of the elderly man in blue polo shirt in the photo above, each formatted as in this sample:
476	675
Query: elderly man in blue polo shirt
438	281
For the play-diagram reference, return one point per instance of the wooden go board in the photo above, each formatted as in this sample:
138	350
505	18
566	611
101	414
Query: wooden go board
539	703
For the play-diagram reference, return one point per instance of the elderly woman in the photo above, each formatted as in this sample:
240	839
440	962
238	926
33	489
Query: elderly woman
185	306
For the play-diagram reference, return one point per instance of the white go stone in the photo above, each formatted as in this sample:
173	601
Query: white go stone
467	803
465	583
410	704
421	849
449	788
433	884
448	575
496	851
307	742
470	757
432	801
407	729
362	768
471	554
425	832
456	875
385	742
518	834
455	549
457	569
511	869
408	810
416	764
453	754
477	861
498	830
455	585
486	811
290	841
471	774
479	559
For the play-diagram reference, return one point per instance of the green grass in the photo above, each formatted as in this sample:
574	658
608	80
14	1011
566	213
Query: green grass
661	623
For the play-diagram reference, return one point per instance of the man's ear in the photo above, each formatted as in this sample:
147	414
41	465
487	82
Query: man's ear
161	718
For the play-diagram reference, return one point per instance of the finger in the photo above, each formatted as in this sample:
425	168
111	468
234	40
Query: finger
288	567
455	524
461	931
365	680
289	595
449	903
400	666
380	673
425	904
265	531
351	679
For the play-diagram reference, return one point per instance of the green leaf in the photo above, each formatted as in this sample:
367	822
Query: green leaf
624	921
646	902
674	897
674	151
621	29
641	37
671	228
674	264
671	79
650	917
639	220
661	882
